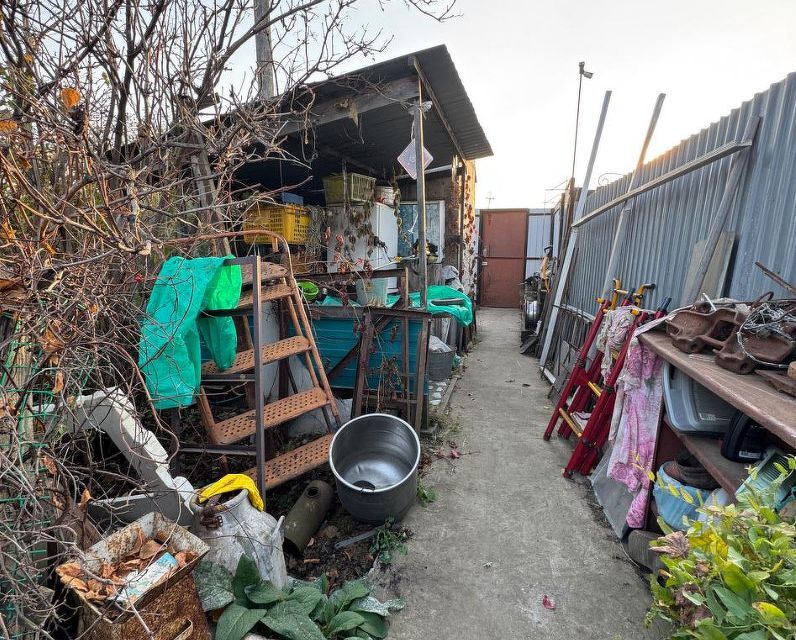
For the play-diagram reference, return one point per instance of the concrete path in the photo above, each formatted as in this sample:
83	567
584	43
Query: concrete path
507	529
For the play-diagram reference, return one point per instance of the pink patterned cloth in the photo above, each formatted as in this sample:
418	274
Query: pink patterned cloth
634	424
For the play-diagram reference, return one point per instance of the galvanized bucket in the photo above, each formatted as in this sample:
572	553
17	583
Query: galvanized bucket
374	459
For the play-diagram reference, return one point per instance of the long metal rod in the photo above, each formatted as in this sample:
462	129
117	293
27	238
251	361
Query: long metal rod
259	379
621	227
421	198
737	171
697	163
563	274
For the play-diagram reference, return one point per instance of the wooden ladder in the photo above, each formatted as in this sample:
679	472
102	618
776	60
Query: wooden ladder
270	283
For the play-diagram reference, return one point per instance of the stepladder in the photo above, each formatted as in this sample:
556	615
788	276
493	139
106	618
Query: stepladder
270	283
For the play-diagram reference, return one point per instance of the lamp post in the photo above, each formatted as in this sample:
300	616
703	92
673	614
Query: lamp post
582	73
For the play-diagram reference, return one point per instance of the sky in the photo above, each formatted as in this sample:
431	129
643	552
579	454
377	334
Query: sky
518	60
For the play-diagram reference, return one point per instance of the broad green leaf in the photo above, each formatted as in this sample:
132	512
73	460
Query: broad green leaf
293	627
307	597
246	575
317	613
287	608
236	622
771	614
736	579
352	590
714	606
264	593
373	605
396	604
697	598
214	584
373	625
758	576
760	634
321	583
737	607
344	621
709	630
362	635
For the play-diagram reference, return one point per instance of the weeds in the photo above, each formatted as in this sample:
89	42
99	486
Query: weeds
425	495
387	541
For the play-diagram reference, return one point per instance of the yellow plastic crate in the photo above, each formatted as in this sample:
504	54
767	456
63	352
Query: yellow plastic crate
360	188
290	221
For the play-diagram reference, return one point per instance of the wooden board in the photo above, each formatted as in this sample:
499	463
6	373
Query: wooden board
750	394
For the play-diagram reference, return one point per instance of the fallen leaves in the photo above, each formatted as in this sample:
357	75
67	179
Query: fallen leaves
85	498
674	544
547	603
104	583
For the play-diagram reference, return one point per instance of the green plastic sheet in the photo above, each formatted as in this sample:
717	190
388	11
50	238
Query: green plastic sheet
462	312
172	331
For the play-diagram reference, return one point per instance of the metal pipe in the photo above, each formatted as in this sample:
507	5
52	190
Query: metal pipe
259	374
306	515
563	274
621	227
421	197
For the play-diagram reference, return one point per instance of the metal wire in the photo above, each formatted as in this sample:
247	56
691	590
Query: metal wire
767	319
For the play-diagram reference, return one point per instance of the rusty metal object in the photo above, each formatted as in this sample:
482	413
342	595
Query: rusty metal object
769	349
306	516
693	331
175	614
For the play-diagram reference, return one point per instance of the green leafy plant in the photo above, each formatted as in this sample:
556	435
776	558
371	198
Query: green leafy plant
302	612
387	541
732	577
425	495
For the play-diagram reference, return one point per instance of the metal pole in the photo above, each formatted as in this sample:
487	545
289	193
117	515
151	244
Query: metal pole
737	170
563	274
621	227
421	199
259	378
577	122
264	52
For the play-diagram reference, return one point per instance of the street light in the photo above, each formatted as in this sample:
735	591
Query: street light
581	74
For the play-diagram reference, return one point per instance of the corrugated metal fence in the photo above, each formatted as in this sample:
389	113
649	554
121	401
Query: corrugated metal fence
665	223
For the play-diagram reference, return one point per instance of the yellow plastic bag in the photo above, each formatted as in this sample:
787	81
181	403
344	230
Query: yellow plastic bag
233	482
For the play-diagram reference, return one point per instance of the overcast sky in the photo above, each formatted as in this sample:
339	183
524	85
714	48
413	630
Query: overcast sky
518	60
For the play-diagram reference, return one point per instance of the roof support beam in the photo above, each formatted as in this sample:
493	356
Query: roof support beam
343	107
414	62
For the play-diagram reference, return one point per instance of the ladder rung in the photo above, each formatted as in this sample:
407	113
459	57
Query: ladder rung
595	389
295	463
571	421
270	292
244	360
268	271
241	426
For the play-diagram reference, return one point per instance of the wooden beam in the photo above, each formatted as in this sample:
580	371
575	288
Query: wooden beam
429	91
356	102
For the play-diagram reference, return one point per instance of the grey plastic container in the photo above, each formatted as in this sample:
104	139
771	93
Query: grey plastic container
692	408
374	459
440	364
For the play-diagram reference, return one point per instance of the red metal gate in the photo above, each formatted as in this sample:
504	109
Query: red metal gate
504	234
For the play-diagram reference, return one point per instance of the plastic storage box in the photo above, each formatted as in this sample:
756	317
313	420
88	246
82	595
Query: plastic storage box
692	408
290	221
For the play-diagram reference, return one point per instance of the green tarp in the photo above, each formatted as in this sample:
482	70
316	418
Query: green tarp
462	312
170	349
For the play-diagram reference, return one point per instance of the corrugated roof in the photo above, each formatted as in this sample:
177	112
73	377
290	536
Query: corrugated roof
445	82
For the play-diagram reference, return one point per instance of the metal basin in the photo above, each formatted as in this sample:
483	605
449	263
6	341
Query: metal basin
374	459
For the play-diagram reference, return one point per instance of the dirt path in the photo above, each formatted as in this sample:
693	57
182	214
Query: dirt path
507	529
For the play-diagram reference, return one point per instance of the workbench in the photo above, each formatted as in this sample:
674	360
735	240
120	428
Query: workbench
771	409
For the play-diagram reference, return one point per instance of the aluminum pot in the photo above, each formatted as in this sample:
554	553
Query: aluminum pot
374	459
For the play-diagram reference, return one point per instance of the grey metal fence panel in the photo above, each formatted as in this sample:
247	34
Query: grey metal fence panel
667	222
